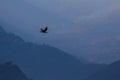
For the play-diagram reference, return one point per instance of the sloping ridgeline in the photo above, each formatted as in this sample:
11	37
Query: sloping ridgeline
110	72
42	62
10	71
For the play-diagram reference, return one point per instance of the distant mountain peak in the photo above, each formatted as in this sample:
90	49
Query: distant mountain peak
11	72
110	72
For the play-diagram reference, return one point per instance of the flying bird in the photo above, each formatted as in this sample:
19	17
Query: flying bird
44	30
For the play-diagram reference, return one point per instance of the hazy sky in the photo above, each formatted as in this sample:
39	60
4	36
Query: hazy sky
76	8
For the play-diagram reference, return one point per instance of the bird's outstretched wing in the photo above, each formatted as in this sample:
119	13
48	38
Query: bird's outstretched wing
41	30
45	29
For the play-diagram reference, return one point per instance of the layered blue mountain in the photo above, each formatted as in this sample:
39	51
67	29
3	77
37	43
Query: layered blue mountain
110	72
97	41
9	71
42	62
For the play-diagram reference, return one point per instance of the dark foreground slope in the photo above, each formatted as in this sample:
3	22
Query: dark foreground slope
110	72
42	62
9	71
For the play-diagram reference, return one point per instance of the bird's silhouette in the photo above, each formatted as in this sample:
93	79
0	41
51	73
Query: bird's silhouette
44	30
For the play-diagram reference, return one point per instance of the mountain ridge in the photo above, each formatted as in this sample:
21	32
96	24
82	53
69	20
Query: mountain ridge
43	61
9	71
110	72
